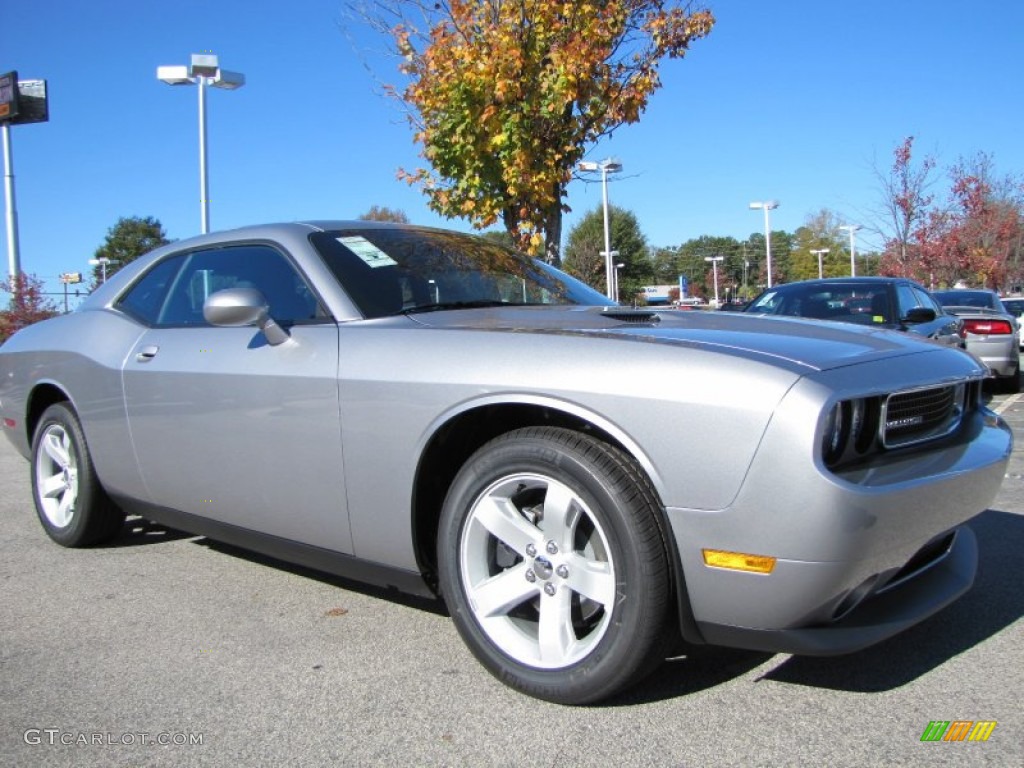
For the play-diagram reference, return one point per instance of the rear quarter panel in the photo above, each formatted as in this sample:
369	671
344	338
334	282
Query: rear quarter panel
81	355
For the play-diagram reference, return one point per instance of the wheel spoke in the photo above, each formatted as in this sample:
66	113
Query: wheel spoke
561	513
53	485
65	510
56	447
503	521
555	634
502	592
593	579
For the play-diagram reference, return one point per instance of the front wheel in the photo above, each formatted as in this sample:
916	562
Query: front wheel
552	562
72	506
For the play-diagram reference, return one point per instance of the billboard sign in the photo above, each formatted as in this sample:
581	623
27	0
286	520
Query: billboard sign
8	96
33	104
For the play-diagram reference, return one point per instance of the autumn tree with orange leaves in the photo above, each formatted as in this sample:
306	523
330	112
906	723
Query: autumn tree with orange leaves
505	97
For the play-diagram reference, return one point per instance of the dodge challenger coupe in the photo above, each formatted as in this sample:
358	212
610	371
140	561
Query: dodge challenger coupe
580	483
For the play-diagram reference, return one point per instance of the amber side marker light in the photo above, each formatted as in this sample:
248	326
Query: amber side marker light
738	561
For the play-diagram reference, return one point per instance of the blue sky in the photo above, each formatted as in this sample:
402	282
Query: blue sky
795	101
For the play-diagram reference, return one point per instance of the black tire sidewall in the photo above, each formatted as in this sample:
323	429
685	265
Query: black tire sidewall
93	518
640	566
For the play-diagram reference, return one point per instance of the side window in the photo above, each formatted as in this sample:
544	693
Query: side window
146	298
927	301
248	266
907	300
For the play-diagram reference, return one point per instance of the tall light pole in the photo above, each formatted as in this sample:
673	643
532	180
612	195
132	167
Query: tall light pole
204	70
714	266
618	265
21	102
767	206
819	252
853	246
606	166
102	263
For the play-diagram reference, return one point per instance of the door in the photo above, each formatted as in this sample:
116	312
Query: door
225	425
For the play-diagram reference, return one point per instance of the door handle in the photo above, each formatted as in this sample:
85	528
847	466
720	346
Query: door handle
146	354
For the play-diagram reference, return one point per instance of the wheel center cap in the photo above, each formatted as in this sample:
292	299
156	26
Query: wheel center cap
543	568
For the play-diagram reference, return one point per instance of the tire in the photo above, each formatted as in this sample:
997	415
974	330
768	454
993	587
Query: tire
72	506
553	565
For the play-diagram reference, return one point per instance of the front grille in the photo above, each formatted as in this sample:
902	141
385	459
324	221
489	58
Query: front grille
923	414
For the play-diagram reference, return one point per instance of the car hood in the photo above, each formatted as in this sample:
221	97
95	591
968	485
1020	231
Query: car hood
813	344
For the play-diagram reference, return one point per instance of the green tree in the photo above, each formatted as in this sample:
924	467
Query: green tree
130	238
505	96
820	232
690	262
383	213
583	251
499	236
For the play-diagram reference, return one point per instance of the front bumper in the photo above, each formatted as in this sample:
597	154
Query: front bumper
857	552
880	616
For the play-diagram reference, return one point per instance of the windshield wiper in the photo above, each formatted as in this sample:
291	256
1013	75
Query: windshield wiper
442	305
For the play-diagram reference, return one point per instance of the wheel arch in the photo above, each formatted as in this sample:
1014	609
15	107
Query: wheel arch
455	439
42	396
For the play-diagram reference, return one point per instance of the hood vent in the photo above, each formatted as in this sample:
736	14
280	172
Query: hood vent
633	316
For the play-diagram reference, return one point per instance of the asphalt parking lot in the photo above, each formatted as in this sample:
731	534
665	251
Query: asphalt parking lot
166	649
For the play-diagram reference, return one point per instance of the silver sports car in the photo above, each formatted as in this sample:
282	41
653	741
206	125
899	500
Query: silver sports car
580	483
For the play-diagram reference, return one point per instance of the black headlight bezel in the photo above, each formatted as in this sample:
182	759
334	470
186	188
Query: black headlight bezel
854	430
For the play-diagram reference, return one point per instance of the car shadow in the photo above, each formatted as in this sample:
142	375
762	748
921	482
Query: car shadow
992	604
138	532
695	669
435	606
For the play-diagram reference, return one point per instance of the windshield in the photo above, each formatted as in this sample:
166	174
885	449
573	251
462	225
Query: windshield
388	271
851	302
963	298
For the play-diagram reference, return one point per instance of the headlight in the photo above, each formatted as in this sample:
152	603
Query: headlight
833	438
850	431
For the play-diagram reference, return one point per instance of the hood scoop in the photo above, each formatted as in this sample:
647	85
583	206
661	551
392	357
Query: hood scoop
632	316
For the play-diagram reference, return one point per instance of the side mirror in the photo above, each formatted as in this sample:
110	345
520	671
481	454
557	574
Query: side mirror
919	315
238	307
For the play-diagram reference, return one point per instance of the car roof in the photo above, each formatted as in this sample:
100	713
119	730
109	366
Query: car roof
843	281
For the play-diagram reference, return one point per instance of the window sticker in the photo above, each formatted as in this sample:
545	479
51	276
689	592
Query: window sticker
371	255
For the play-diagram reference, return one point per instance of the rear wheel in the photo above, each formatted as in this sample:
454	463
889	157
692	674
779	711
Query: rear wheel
553	564
71	504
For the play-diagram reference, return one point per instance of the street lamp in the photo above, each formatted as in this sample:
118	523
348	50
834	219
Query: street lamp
610	256
606	166
714	266
767	205
618	266
204	70
819	252
853	246
102	263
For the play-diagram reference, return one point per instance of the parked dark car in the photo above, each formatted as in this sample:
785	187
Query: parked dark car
896	303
